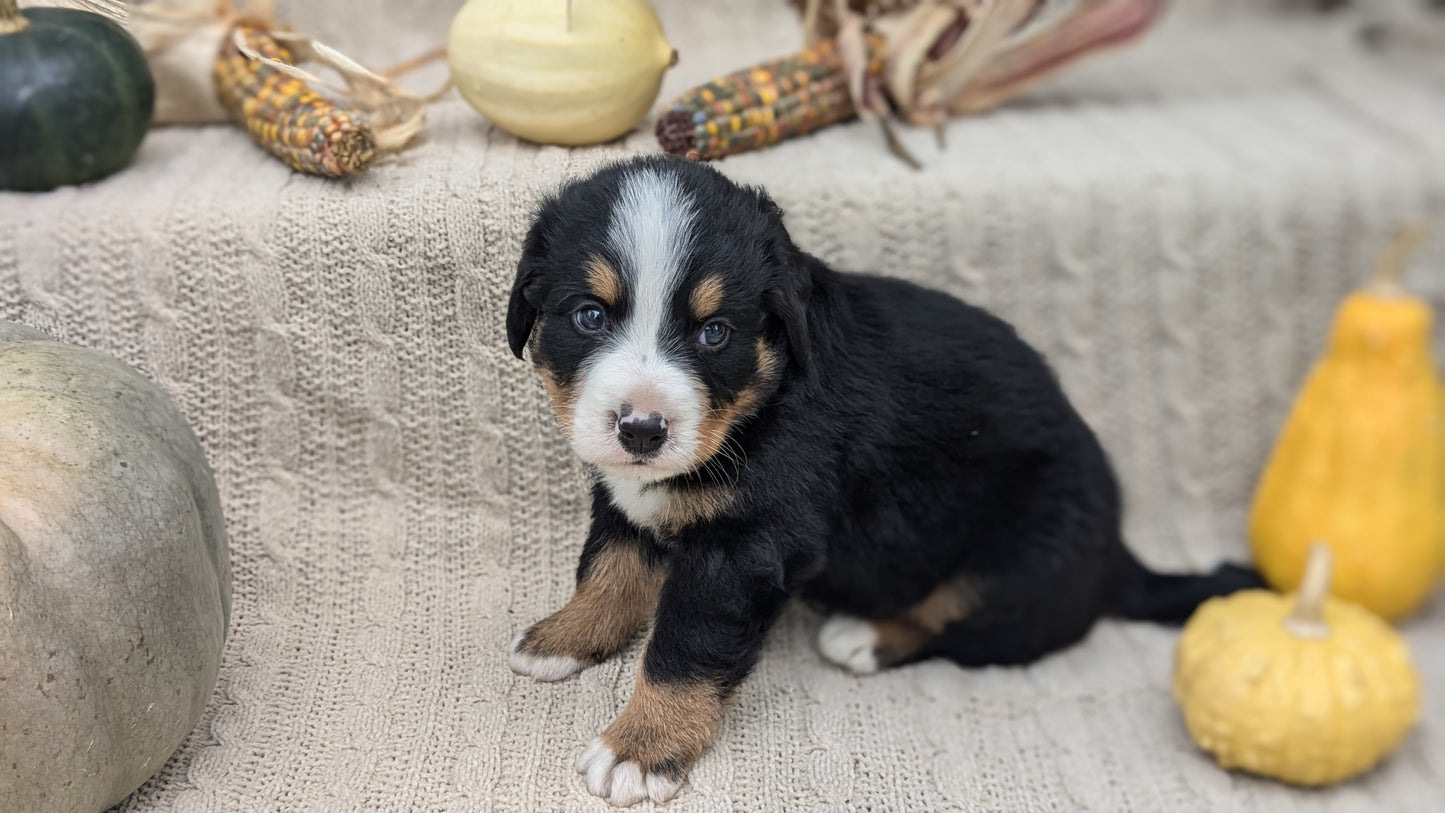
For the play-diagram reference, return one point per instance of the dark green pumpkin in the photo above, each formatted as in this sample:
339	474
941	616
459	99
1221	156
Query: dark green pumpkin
76	97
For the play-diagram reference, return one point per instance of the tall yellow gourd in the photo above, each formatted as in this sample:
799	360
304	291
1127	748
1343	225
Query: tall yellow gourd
1359	462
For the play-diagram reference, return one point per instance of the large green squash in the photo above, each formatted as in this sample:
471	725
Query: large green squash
76	97
115	577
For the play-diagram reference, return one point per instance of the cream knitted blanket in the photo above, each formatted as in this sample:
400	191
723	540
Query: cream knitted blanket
1171	225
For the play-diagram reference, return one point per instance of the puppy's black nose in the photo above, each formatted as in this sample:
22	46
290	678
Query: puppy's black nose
641	435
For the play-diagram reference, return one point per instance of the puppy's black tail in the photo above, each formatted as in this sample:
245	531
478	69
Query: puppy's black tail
1170	598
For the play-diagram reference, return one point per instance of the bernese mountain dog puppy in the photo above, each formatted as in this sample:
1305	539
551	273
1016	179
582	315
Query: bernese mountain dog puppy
761	427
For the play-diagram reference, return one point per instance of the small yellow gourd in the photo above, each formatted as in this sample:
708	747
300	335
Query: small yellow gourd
1360	462
1309	690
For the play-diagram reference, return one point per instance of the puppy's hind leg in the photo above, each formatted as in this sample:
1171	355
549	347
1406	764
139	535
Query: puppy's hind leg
863	646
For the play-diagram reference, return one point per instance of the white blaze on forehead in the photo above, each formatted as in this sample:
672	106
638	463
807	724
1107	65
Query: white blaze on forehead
649	234
650	230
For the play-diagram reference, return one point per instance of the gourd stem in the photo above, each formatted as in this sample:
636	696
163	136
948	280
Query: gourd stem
1307	620
11	20
1392	260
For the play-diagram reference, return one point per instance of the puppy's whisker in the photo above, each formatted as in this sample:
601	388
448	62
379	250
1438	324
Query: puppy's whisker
727	451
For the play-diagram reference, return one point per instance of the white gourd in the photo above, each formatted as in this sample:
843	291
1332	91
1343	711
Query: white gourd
568	72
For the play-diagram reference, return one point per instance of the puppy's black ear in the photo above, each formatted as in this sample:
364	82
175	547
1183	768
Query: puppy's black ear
521	316
789	302
521	313
786	296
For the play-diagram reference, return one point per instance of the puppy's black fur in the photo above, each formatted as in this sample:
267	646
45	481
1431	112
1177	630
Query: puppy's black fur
911	439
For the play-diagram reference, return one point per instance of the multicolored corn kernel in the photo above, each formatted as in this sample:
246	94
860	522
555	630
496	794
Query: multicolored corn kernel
290	120
764	104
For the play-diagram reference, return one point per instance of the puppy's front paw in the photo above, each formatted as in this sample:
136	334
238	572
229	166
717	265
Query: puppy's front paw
653	743
527	659
850	642
623	781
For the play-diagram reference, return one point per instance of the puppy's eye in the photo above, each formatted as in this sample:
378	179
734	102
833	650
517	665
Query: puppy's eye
714	335
589	319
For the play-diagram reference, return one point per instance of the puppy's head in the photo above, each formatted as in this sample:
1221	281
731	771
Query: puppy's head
662	304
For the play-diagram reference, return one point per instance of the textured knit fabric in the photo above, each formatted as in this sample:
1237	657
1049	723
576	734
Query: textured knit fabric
1171	225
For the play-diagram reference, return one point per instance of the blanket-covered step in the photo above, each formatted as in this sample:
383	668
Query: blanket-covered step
1172	225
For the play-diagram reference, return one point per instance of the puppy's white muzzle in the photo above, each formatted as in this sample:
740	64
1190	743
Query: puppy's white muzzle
638	415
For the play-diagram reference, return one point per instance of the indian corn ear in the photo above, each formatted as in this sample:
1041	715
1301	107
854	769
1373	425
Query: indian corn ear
764	104
293	122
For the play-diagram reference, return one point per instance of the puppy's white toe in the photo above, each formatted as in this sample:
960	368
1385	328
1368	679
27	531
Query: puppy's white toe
596	765
594	752
849	642
621	783
547	668
628	785
661	789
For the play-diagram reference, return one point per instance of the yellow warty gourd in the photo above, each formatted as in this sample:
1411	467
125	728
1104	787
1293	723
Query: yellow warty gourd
566	72
1308	690
1360	462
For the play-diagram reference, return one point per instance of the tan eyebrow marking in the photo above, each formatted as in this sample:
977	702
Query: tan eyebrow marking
603	279
706	297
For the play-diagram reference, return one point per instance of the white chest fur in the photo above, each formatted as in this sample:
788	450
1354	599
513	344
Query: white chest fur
642	504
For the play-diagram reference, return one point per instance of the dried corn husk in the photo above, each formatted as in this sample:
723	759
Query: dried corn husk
181	39
938	58
949	57
821	19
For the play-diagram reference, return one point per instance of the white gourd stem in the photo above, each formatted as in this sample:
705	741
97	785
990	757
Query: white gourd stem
1307	620
10	18
1391	263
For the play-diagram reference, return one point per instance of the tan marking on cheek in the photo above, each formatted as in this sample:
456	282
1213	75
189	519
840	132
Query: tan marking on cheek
612	603
687	507
564	399
535	337
707	297
666	726
714	427
604	281
768	362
